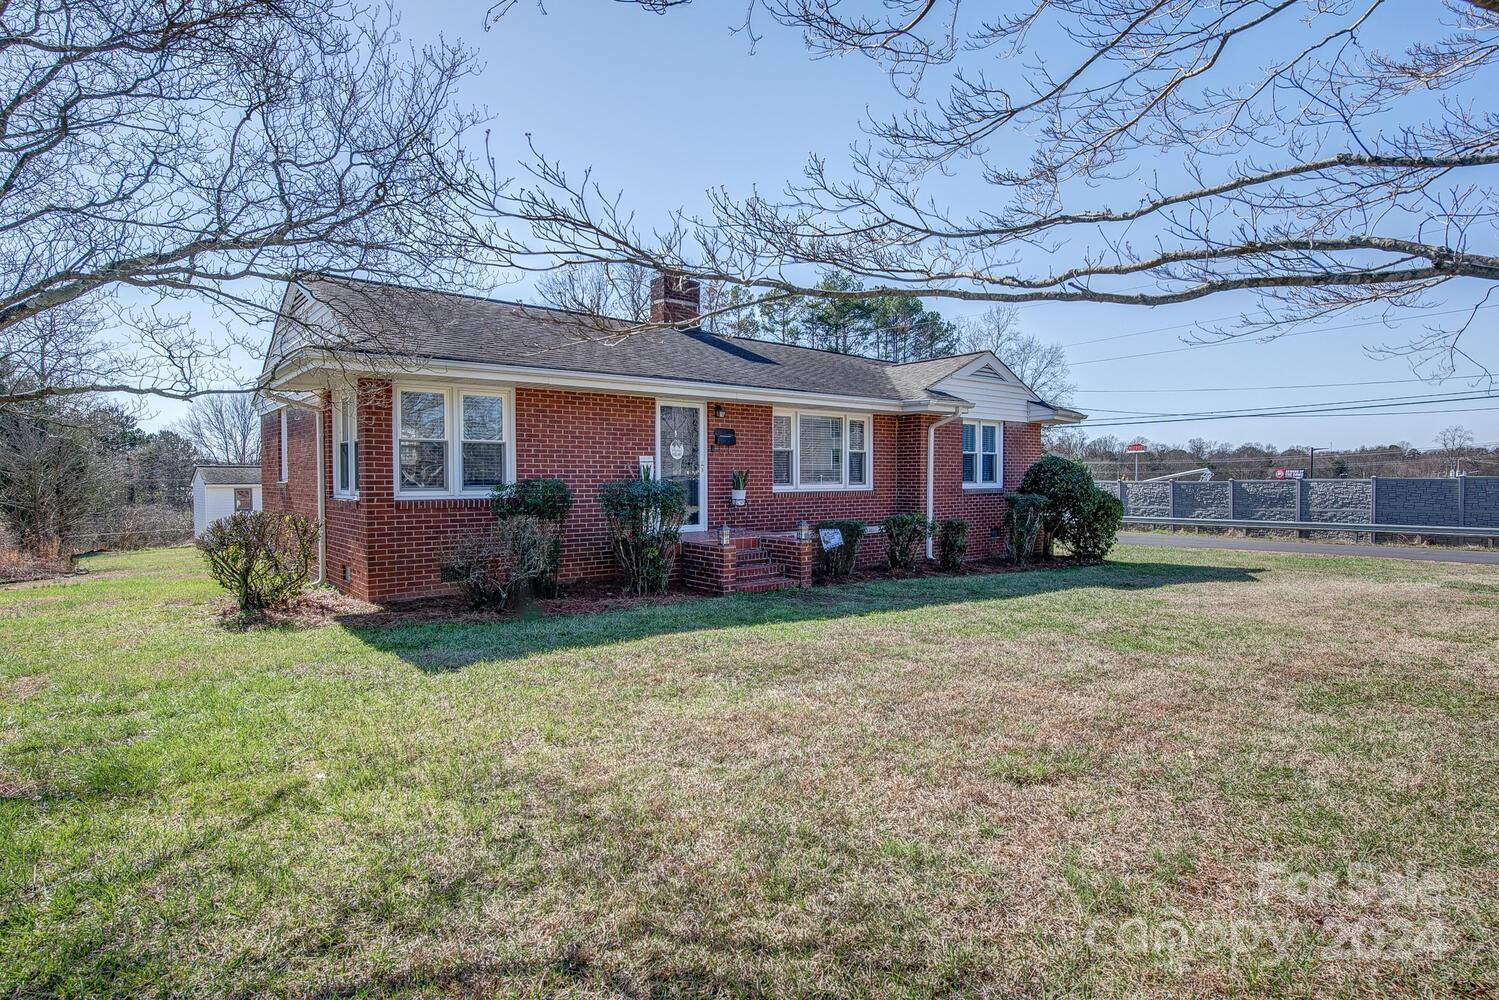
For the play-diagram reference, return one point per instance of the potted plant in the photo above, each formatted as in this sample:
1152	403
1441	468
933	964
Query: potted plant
739	487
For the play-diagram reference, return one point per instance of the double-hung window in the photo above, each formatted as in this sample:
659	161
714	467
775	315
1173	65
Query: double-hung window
782	450
451	441
346	446
858	452
814	450
983	454
483	441
423	442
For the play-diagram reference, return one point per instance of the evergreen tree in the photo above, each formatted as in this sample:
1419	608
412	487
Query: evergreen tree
742	321
783	319
842	325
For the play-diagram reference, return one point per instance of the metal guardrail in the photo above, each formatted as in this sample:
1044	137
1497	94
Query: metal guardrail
1450	530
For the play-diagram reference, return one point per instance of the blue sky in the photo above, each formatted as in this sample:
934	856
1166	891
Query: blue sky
666	107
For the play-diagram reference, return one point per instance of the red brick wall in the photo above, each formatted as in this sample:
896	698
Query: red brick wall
298	495
708	566
768	510
984	510
586	439
390	548
346	529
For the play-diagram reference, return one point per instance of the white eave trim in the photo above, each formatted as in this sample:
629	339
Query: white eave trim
1051	416
301	374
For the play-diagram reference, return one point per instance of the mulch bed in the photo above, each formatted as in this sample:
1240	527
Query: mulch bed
322	607
325	606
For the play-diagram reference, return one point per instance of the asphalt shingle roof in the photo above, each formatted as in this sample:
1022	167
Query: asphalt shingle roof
230	475
443	326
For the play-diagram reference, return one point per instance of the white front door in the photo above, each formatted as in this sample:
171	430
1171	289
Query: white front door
681	452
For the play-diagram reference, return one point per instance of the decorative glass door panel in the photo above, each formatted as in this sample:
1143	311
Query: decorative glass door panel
679	456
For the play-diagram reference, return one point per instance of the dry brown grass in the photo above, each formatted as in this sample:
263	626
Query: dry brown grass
966	785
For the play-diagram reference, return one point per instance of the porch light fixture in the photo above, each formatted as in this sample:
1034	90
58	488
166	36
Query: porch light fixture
725	534
804	531
718	411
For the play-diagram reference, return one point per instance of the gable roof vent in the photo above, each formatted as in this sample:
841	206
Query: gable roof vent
988	371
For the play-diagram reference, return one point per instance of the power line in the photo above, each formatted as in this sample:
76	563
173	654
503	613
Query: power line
1384	409
1243	339
1262	388
1382	413
1414	398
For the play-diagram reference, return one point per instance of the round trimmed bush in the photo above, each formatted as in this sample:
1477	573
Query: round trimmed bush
1075	513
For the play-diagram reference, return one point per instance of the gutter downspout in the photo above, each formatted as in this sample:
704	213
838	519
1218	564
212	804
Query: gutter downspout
931	466
322	514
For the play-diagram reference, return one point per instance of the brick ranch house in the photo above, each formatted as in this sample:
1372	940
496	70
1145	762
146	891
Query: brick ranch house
389	413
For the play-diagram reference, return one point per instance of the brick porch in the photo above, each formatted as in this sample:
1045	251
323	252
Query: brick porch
754	562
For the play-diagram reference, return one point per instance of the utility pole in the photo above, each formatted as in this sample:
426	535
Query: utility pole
1311	454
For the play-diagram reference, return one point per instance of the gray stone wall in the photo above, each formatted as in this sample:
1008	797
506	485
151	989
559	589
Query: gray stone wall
1481	501
1437	502
1149	499
1264	500
1345	500
1417	501
1203	499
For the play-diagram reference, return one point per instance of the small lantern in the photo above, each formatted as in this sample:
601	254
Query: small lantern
725	534
804	531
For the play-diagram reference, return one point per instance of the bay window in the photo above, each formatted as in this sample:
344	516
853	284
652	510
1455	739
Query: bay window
983	454
451	441
813	450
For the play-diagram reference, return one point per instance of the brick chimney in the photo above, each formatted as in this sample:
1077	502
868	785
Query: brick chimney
675	298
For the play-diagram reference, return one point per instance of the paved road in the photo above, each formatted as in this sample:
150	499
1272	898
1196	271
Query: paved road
1181	541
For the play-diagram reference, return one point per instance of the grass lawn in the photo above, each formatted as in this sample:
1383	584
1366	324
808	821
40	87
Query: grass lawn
1182	773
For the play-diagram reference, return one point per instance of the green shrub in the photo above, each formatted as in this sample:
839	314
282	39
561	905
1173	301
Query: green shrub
543	499
837	564
1023	525
1068	489
505	562
645	527
548	501
1074	513
952	543
904	532
262	558
1096	527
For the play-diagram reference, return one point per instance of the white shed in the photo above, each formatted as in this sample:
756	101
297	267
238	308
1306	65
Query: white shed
221	490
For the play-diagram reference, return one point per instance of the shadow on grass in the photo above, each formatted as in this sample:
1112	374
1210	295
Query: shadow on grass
440	647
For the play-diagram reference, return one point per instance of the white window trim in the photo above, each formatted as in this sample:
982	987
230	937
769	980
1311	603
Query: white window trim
795	486
343	403
281	447
453	431
978	463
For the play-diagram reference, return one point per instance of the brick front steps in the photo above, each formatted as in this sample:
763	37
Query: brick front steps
752	564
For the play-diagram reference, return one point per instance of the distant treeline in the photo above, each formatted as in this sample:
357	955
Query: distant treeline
1106	457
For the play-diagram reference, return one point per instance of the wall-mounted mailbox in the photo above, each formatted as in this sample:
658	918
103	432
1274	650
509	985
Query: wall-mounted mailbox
723	435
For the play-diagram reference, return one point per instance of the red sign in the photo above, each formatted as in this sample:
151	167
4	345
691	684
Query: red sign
1281	473
1134	449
